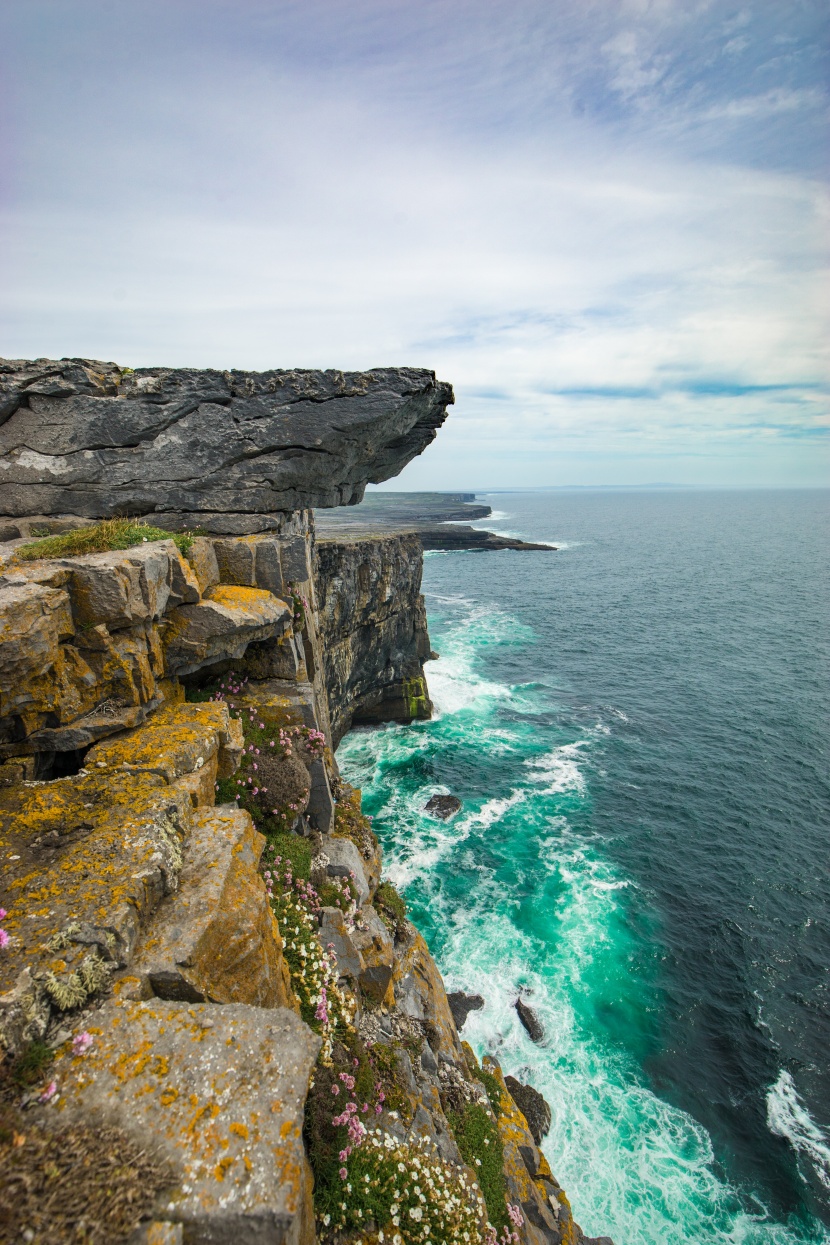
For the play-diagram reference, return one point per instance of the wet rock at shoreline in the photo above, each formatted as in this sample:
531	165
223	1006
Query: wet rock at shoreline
462	1004
530	1021
443	806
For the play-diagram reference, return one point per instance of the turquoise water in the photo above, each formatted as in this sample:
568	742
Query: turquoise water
637	726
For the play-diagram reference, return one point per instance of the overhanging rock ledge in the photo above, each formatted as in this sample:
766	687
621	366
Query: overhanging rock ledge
228	451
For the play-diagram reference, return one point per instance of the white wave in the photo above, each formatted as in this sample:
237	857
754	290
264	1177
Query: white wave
787	1117
559	769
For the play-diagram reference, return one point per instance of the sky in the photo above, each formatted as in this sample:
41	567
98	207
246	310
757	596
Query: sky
606	222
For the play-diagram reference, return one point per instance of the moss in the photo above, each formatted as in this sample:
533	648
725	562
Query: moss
101	538
414	693
392	908
29	1068
477	1137
351	823
385	1062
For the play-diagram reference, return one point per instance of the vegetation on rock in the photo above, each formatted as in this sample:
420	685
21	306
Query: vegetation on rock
101	537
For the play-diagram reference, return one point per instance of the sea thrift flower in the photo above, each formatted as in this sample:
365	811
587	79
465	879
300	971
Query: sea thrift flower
81	1043
49	1093
4	938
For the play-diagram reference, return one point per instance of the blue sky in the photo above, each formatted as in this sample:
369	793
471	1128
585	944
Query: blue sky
606	222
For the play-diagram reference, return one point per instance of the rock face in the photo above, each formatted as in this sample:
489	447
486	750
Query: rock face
462	1004
373	629
229	1125
532	1106
209	448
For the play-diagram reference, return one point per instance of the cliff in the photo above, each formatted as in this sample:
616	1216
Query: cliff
218	1024
225	451
373	629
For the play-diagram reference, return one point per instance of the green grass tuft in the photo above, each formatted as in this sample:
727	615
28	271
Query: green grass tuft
101	537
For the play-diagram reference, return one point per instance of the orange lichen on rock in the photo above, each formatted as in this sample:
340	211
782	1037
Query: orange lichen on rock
216	938
188	1110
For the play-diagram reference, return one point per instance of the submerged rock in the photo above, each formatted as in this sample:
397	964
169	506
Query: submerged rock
530	1021
462	1004
532	1106
443	806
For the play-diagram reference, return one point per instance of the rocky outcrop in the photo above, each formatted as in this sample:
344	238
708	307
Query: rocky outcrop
373	629
225	451
199	960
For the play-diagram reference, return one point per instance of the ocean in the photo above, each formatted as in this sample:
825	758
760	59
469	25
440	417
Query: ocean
638	728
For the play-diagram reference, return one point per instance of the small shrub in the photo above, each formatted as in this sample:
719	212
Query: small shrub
101	538
30	1066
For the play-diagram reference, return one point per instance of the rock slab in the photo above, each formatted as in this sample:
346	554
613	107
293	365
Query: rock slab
218	1093
86	438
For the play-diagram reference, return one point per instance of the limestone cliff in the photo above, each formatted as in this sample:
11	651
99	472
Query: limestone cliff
207	991
227	451
373	629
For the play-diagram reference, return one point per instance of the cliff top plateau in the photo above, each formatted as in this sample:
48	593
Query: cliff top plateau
227	451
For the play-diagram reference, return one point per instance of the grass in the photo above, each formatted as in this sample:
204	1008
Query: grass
101	537
477	1137
492	1087
29	1068
392	908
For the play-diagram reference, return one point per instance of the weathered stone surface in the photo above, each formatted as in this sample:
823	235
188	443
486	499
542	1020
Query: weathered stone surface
420	993
217	1092
216	939
530	1183
372	939
529	1020
334	933
373	630
221	627
88	438
177	740
532	1106
462	1004
85	861
344	861
443	806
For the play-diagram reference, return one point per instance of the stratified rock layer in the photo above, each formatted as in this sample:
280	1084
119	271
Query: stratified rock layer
210	448
373	629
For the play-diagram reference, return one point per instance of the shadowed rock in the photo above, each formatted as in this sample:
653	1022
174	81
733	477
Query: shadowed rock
462	1004
80	437
443	806
530	1021
532	1106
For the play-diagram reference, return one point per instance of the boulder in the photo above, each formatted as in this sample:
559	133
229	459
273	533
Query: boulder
443	806
462	1004
217	1093
221	626
221	449
529	1020
532	1106
344	861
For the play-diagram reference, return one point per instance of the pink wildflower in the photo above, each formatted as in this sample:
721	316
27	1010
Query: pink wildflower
4	938
343	1173
81	1043
49	1093
335	1089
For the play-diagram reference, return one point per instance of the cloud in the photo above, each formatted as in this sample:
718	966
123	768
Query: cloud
578	214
